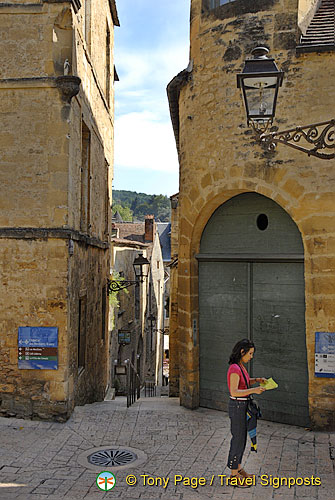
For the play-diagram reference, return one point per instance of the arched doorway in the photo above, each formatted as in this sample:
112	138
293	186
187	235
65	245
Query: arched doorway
251	284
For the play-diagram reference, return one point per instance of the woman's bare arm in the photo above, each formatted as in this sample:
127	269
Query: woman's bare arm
258	379
242	393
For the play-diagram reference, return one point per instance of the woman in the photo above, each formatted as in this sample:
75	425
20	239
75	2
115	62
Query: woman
237	377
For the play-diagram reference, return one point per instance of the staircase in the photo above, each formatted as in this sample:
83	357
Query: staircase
320	34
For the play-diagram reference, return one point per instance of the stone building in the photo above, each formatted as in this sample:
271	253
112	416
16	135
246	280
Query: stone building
138	325
256	249
56	165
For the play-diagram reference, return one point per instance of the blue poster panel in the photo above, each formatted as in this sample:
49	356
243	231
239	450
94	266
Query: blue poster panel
325	354
38	348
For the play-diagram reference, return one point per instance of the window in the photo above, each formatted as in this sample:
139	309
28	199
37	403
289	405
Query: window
107	203
85	199
103	311
217	3
108	64
87	27
81	333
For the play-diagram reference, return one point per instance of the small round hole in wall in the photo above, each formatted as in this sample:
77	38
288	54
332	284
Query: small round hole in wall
262	222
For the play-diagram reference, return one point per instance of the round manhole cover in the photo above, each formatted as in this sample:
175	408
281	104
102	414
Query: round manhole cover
111	457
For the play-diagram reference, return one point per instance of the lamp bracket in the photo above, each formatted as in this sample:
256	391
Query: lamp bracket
117	286
260	126
318	139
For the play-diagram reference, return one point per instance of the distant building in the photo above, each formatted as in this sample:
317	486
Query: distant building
139	317
57	104
164	231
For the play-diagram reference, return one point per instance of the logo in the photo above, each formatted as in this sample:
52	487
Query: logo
105	481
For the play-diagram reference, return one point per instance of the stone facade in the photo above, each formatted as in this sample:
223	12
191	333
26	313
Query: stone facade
141	309
173	322
56	169
128	316
205	103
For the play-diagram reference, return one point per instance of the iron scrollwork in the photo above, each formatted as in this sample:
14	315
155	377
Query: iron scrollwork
320	137
116	286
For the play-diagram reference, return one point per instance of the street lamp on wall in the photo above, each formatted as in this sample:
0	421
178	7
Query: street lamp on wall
260	81
141	268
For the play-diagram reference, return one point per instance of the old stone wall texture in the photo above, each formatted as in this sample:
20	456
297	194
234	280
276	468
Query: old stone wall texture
174	347
132	306
228	161
45	274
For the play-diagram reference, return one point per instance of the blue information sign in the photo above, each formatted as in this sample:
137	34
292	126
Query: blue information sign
38	347
325	354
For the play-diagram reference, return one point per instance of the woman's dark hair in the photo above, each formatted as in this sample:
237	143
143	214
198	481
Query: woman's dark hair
236	355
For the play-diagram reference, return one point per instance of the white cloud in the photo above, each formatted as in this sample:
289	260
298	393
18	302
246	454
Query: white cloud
143	141
144	137
143	69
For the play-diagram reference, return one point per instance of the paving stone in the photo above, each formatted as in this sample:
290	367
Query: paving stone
176	440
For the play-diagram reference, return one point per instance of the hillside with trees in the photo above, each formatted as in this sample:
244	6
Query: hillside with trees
134	206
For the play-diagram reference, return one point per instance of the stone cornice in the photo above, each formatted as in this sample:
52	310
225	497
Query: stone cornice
42	233
75	3
19	83
32	7
68	85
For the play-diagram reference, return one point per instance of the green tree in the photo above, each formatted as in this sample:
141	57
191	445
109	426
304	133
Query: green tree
125	212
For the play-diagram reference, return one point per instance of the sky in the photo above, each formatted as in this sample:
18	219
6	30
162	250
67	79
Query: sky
151	47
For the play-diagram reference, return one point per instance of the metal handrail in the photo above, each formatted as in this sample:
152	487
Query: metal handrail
133	383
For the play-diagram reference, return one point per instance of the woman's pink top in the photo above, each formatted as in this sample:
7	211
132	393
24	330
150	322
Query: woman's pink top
235	368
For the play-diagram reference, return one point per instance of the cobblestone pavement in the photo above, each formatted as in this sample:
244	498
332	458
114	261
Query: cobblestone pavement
38	460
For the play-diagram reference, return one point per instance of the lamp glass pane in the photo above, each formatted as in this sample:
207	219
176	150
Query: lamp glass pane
260	81
137	269
145	270
260	102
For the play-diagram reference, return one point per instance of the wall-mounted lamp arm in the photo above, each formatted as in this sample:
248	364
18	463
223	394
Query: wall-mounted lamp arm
318	138
117	286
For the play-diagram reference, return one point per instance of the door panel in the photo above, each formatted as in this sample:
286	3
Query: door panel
223	302
266	299
278	331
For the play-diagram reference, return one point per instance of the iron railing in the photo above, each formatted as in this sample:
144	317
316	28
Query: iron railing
133	384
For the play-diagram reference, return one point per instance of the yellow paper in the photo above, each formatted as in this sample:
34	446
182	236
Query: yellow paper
269	384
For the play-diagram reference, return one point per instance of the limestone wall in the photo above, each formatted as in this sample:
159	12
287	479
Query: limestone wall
48	261
174	347
33	293
228	161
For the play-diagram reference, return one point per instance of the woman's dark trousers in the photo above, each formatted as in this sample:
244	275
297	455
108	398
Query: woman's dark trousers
237	411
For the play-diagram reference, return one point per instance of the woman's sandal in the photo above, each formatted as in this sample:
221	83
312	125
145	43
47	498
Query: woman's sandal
240	481
245	474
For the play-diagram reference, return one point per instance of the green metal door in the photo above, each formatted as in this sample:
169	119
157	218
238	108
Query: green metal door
251	284
278	329
223	321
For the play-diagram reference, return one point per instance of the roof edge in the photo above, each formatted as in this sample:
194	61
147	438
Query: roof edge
112	5
173	91
301	49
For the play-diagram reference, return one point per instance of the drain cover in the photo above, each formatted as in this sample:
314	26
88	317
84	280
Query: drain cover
112	458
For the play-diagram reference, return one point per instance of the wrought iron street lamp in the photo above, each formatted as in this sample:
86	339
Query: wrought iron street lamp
260	81
141	268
